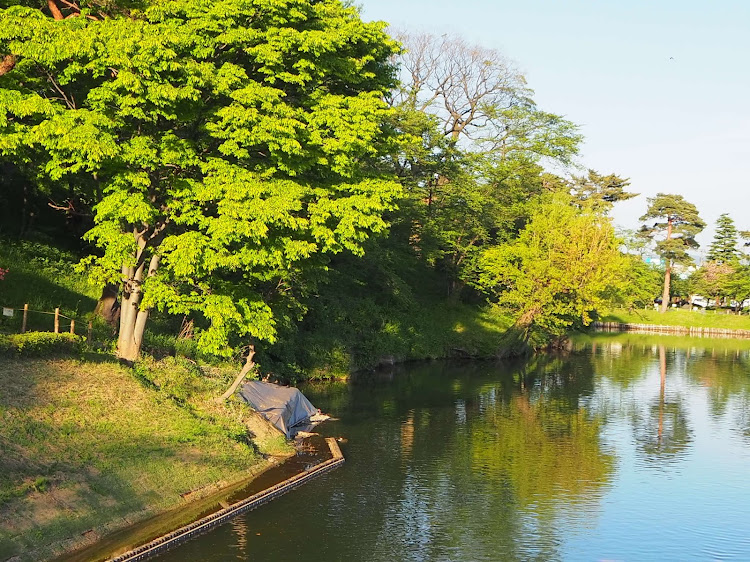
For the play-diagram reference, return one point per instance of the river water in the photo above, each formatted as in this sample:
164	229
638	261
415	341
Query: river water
625	448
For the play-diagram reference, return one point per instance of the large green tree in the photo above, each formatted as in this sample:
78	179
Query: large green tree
677	224
230	141
555	274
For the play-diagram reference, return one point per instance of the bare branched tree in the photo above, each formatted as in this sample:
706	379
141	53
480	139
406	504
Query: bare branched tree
466	86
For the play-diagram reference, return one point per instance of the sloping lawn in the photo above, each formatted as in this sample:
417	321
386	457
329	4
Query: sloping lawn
86	447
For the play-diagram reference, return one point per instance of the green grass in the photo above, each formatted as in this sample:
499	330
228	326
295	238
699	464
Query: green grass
41	344
353	325
45	278
678	317
444	330
87	445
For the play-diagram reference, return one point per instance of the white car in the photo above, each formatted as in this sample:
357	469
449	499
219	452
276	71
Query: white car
699	300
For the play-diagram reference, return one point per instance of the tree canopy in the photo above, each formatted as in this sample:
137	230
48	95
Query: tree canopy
229	142
600	191
556	272
222	156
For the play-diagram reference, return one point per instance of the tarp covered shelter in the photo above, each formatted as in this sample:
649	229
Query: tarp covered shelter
283	406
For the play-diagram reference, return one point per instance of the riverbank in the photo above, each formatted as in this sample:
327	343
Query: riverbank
707	319
89	446
659	329
316	456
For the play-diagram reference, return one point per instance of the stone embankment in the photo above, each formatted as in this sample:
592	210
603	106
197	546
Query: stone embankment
691	331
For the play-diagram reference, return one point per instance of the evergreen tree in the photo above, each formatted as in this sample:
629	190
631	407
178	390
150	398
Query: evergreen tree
723	249
678	222
599	191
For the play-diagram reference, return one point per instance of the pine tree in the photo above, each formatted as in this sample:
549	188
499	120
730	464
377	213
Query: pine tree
599	191
724	246
679	222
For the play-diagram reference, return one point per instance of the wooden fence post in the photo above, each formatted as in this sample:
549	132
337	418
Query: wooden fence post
91	329
57	320
72	326
25	318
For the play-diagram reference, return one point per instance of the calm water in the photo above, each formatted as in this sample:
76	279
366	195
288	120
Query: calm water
627	448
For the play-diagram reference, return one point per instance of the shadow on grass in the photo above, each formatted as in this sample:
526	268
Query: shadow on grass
43	296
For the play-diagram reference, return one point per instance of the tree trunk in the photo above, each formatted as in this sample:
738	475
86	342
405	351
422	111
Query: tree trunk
132	317
665	292
249	365
108	307
667	273
7	64
515	341
55	10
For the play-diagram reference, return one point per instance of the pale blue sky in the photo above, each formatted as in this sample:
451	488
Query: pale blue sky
679	125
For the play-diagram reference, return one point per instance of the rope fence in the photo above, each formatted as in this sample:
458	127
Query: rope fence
9	312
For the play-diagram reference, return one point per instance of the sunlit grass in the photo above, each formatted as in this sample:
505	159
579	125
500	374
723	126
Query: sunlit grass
678	317
44	278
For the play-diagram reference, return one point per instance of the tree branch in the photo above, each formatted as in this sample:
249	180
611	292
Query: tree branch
71	5
7	64
68	102
69	208
55	10
249	365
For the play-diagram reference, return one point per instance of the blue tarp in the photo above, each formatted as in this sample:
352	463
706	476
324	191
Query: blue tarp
283	406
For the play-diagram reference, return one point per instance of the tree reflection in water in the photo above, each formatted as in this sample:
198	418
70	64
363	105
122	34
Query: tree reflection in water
661	427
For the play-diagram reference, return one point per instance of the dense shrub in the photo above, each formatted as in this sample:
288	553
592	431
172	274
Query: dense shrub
40	344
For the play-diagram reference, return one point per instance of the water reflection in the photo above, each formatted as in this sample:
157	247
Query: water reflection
661	427
622	449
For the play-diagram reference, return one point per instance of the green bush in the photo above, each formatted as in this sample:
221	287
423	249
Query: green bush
40	344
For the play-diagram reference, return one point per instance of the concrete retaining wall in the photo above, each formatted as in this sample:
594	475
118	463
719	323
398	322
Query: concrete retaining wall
202	525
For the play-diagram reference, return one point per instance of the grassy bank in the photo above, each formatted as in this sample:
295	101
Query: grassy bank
709	345
678	317
448	330
88	446
362	316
